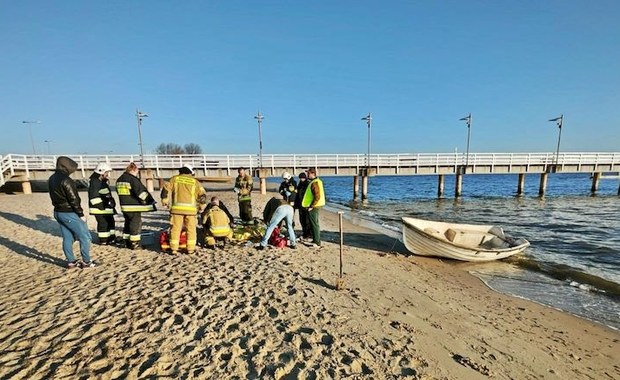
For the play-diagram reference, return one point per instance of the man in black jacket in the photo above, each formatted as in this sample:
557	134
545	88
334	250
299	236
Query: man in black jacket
68	212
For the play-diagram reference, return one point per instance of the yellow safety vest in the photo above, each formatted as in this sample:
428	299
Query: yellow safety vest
309	197
219	225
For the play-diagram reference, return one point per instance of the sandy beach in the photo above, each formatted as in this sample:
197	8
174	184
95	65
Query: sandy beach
241	313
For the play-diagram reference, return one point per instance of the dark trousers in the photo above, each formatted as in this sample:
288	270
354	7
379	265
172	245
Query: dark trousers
313	216
105	227
245	210
304	219
133	226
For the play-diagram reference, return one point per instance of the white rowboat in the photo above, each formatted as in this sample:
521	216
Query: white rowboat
466	242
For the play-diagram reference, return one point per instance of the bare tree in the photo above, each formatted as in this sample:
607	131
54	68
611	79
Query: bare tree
192	148
169	148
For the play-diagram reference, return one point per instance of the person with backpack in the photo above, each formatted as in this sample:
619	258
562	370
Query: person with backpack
275	211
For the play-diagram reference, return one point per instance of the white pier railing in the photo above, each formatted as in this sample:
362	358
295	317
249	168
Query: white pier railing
25	164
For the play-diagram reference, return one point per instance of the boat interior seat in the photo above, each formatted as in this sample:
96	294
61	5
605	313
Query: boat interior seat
467	238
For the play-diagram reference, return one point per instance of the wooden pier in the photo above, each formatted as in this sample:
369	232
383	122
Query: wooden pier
24	168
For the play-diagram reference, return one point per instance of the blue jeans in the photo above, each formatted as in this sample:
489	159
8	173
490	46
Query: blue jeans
73	228
285	212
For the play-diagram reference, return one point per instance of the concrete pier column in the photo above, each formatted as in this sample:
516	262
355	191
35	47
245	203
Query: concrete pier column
160	183
25	184
543	184
458	184
356	186
520	184
262	176
596	177
364	187
440	182
149	185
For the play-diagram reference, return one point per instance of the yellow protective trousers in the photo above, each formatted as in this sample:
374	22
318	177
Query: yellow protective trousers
177	222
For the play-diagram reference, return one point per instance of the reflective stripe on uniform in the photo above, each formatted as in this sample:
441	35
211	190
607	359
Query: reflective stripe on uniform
134	237
96	201
143	195
123	188
96	211
136	208
103	234
104	191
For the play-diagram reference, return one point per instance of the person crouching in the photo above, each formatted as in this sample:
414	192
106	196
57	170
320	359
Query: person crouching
217	223
275	211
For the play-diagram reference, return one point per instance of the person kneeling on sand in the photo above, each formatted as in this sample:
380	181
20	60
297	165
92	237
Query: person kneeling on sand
68	212
276	210
216	223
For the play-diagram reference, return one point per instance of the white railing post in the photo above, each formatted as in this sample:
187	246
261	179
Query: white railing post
157	166
294	165
228	165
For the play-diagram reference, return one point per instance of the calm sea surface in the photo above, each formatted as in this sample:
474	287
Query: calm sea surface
574	260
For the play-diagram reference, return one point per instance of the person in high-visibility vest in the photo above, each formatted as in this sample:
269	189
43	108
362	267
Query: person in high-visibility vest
313	200
101	203
134	199
243	188
185	197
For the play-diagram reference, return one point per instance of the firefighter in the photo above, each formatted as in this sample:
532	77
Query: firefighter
217	222
243	188
135	199
185	197
102	204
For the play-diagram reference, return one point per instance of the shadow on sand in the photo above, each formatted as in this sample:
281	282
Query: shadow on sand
31	253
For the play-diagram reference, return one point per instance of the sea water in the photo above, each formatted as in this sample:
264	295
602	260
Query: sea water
573	262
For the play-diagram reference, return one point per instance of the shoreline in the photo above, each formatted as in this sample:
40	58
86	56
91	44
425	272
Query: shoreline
272	314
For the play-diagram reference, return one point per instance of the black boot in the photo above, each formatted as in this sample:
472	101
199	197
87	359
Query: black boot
134	245
111	240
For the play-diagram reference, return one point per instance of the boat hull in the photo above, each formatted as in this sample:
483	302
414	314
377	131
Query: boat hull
422	243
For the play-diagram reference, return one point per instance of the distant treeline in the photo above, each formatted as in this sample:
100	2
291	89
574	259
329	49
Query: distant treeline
172	148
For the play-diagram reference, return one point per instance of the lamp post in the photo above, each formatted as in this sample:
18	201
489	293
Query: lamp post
559	121
259	118
140	116
368	120
34	151
49	150
467	120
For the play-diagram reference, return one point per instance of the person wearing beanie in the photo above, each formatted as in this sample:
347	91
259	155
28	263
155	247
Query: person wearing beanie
185	197
306	232
69	214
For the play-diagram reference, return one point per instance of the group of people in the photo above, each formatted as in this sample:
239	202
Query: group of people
186	199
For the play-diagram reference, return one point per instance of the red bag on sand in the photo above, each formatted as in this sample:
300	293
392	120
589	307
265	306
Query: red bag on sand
276	240
164	240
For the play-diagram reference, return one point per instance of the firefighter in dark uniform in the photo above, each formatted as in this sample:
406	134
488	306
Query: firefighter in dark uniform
101	203
135	199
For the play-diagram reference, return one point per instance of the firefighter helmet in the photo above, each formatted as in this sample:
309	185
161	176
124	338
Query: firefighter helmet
102	168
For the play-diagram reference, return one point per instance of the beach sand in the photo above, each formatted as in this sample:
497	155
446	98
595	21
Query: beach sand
241	313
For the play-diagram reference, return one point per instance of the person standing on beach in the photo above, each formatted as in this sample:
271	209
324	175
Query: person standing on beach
135	199
186	197
275	211
69	214
102	204
304	218
313	200
243	188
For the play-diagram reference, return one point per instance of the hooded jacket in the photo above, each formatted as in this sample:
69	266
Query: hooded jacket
63	190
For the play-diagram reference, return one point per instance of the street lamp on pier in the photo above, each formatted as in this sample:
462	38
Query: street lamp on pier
49	150
139	117
467	120
34	151
259	118
559	121
368	120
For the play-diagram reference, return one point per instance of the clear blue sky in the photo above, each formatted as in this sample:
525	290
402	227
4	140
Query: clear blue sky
202	69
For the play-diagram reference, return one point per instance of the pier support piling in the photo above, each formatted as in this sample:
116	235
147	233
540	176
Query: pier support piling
364	188
356	186
596	177
458	184
440	182
262	177
543	184
521	184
